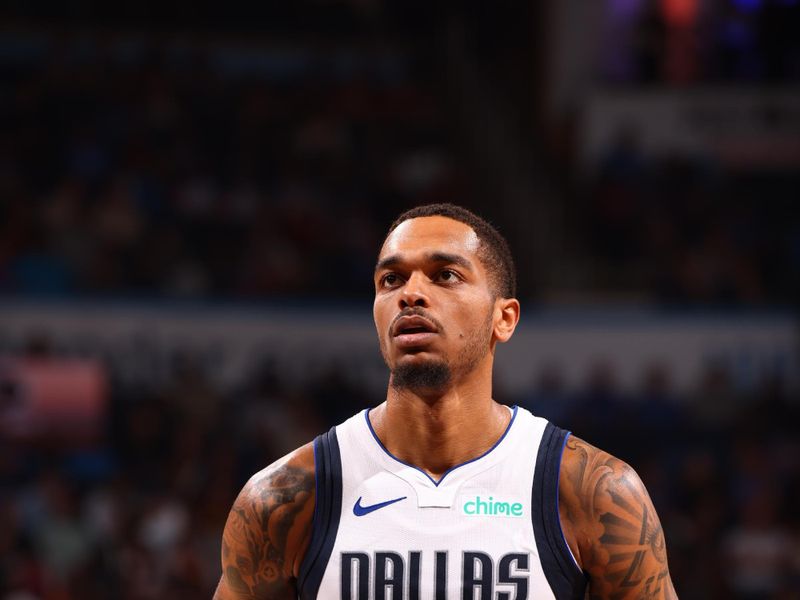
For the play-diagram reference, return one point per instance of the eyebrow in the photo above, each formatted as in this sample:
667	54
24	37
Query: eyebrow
436	257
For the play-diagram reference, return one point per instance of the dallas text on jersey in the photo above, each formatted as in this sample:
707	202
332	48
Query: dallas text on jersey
385	575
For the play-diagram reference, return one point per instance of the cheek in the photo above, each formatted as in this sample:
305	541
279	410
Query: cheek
380	319
471	322
477	322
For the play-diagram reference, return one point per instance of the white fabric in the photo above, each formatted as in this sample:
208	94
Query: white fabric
435	517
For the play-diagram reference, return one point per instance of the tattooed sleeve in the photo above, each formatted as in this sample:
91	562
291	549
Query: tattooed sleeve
267	530
615	528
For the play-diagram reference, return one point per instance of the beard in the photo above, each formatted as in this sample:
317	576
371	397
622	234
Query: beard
438	374
430	375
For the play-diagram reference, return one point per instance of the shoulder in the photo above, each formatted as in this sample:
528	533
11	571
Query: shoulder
268	528
591	480
283	480
610	523
590	474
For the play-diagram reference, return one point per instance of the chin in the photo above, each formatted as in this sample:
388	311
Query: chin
421	375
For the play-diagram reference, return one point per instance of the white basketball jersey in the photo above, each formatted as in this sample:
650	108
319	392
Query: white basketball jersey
488	529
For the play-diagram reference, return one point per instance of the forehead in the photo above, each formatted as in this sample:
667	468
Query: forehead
431	234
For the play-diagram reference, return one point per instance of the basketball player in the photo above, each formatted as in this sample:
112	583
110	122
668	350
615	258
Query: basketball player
440	492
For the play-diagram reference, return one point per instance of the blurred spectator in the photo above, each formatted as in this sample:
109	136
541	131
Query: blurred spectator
758	551
717	404
549	397
600	408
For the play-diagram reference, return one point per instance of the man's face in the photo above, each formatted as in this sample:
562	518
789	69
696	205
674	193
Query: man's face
434	307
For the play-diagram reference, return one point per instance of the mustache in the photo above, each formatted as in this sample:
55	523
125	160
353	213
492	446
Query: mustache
414	311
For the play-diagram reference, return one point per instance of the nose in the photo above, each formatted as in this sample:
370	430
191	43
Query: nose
413	292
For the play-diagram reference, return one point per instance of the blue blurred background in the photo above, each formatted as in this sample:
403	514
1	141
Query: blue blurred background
190	208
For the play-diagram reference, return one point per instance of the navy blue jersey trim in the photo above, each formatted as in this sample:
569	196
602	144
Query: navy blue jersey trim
566	579
327	511
451	469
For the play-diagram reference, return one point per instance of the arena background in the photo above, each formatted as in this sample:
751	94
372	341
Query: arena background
191	204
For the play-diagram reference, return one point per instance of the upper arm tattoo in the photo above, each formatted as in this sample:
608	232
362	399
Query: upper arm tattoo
619	533
266	528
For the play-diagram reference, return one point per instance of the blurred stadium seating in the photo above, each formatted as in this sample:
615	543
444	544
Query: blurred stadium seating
189	216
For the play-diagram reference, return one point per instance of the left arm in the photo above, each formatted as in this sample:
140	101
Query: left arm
611	526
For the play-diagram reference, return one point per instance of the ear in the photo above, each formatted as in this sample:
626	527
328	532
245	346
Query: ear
506	318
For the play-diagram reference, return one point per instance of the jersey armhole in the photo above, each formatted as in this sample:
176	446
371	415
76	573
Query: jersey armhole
558	503
567	580
327	511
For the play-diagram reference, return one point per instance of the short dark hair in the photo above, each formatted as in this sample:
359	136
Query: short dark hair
493	251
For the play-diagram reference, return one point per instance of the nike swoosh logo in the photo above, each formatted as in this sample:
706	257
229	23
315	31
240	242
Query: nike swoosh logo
360	511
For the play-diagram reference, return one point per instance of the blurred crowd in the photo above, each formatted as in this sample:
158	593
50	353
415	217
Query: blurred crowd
137	165
690	233
680	42
139	515
131	165
686	228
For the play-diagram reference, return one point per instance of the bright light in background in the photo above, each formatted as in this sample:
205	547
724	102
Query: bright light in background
679	13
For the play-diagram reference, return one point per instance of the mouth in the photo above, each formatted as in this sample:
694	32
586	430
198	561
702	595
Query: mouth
413	331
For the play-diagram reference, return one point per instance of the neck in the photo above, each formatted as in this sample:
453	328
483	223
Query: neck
437	431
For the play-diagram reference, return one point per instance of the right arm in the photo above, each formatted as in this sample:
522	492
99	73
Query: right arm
268	531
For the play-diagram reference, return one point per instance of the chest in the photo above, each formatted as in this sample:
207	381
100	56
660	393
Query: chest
469	535
473	540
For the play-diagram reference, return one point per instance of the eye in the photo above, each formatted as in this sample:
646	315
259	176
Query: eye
389	280
448	276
